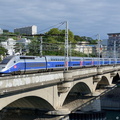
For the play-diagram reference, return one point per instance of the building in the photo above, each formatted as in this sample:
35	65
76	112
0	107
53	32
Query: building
114	44
10	45
5	30
85	48
1	31
24	41
30	30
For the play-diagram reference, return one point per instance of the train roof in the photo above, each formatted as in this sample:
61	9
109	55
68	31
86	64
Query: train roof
9	57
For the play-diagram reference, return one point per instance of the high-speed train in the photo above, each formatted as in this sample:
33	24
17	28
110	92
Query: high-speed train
29	64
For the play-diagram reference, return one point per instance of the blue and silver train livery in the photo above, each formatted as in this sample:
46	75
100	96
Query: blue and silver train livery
29	64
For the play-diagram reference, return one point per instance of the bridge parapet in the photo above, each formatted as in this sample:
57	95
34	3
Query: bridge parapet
108	68
13	83
84	72
111	68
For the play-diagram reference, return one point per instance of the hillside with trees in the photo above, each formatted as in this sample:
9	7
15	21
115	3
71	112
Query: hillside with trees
53	42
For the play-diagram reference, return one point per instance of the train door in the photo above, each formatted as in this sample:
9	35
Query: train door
70	62
22	64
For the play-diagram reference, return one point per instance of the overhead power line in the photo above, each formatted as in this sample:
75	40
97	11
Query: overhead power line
60	24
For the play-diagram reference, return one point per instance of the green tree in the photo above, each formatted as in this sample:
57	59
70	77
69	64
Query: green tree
55	35
34	47
3	52
78	38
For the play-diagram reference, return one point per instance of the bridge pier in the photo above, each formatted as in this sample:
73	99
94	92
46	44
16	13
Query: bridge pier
99	70
60	112
64	87
97	78
112	74
68	78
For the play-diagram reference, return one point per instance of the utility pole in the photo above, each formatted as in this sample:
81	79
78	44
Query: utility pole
70	47
99	48
66	47
114	49
40	45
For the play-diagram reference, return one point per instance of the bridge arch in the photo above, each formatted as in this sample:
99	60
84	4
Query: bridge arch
102	83
116	78
46	95
78	90
31	102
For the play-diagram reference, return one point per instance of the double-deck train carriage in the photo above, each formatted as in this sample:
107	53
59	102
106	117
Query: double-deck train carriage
55	62
58	62
118	60
75	62
20	64
95	61
100	61
107	61
34	63
113	60
25	64
87	61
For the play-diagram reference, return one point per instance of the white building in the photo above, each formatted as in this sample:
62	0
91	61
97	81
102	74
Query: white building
85	48
10	45
24	41
30	30
1	31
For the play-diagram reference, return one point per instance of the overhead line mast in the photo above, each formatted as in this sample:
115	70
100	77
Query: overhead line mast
66	47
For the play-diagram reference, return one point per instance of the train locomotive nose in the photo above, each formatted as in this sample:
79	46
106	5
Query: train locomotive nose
2	67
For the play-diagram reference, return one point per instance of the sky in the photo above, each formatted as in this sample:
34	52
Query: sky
85	17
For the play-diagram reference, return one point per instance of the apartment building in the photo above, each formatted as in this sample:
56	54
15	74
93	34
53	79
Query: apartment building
30	30
114	44
84	47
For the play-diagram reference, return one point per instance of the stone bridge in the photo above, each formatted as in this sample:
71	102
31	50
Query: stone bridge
58	92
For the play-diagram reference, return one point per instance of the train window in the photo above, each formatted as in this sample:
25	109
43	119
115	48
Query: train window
76	59
87	59
35	64
5	61
27	57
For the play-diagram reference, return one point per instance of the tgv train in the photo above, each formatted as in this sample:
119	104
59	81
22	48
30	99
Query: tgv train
29	64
